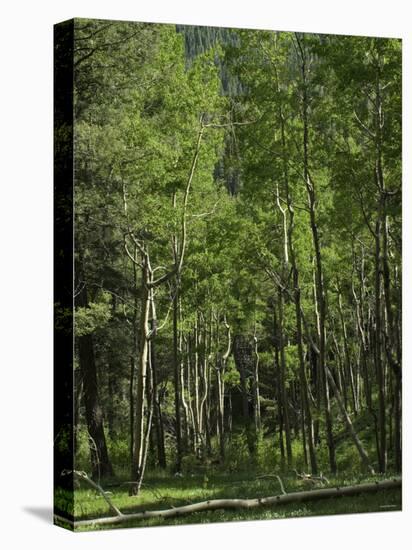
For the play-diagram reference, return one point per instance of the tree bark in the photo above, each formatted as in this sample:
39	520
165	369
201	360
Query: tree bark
100	462
291	255
282	380
247	504
349	368
144	332
157	411
176	379
256	396
320	288
358	444
380	378
242	353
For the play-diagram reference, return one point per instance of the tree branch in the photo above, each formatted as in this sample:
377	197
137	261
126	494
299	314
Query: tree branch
84	477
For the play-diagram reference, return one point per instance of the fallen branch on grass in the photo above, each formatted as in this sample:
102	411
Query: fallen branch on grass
83	476
267	476
312	480
301	496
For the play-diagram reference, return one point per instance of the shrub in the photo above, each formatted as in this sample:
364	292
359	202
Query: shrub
267	458
237	453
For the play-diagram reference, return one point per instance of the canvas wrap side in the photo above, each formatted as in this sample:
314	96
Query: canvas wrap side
63	271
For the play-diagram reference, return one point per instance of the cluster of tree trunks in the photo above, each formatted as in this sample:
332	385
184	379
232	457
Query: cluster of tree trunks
345	329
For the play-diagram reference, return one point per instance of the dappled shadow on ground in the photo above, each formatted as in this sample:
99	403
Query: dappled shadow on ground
44	513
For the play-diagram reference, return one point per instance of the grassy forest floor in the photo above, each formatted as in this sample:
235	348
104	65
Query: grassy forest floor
160	492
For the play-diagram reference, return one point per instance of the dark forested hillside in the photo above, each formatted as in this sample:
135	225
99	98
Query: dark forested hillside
237	259
199	40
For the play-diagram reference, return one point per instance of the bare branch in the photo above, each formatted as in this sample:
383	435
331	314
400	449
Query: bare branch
84	477
129	254
267	476
159	328
364	127
204	214
229	124
239	503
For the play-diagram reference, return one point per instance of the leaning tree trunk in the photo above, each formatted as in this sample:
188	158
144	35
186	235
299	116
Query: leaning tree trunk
148	284
358	444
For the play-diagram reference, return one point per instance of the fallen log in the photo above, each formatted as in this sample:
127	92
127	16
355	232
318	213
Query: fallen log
230	504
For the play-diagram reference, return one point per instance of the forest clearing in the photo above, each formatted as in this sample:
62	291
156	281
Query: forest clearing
237	275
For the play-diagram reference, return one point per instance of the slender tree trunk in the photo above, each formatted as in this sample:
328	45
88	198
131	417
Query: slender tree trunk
139	437
205	379
392	345
278	398
304	437
220	412
382	453
78	399
314	359
101	465
131	409
192	429
358	444
398	426
303	378
349	369
256	396
306	412
177	389
320	288
282	380
242	353
196	380
133	358
186	413
157	412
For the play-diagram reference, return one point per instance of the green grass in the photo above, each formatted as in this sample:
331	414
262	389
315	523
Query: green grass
161	492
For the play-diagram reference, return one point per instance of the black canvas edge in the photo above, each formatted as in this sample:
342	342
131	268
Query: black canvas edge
63	436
